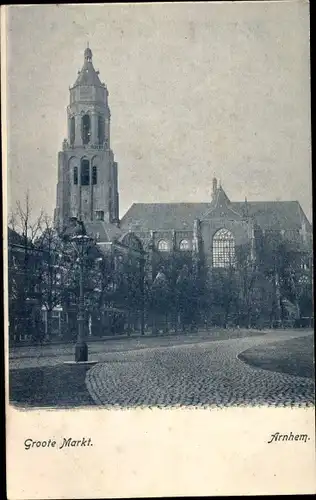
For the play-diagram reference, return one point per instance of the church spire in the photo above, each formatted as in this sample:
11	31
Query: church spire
88	54
88	75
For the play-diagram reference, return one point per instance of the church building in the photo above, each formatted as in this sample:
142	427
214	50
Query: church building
88	189
216	227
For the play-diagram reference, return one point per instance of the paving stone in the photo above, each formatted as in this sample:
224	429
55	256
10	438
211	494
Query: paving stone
204	373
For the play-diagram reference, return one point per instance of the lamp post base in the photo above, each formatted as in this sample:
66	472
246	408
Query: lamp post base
81	352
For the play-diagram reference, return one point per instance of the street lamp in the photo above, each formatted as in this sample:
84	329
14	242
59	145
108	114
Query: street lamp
81	242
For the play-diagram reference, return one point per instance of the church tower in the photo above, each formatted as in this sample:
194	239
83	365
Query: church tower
87	173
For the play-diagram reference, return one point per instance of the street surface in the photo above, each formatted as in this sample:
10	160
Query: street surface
199	369
202	374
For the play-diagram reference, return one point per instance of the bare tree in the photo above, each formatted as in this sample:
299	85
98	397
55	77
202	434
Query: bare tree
53	269
25	222
26	226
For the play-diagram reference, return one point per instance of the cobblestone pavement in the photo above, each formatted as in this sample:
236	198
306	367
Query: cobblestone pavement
204	374
54	354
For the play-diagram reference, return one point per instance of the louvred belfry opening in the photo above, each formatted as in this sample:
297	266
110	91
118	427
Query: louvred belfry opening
86	129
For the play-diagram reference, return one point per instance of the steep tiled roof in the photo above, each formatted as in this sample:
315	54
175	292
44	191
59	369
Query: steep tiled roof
156	216
103	231
88	75
285	215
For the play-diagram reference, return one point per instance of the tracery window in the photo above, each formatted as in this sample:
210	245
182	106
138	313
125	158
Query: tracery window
162	246
85	173
184	245
223	249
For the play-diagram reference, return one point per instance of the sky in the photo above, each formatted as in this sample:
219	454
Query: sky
195	91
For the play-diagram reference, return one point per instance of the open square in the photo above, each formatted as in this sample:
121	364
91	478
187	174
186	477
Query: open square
200	370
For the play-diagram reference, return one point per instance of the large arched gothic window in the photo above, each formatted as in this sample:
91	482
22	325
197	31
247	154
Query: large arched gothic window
72	130
223	249
85	172
86	129
162	246
101	129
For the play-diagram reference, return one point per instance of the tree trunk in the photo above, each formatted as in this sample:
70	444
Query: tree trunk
249	316
226	316
49	324
128	323
154	323
142	321
166	323
298	311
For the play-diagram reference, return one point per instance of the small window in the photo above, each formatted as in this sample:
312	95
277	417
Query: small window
184	245
72	130
162	246
85	173
94	175
99	214
75	175
86	129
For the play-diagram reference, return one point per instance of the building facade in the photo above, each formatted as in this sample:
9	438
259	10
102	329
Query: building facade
215	229
208	235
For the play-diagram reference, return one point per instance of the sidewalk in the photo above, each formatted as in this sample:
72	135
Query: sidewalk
56	354
61	341
53	354
121	342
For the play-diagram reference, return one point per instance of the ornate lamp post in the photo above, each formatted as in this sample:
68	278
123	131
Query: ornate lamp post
81	242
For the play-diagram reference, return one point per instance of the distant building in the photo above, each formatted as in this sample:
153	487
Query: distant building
215	228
